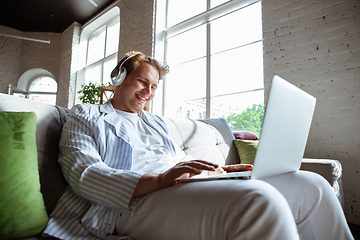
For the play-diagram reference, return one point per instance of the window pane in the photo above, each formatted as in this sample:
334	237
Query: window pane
43	84
187	46
109	65
96	46
236	29
35	86
112	39
186	89
45	98
235	103
179	11
236	60
215	3
93	74
238	70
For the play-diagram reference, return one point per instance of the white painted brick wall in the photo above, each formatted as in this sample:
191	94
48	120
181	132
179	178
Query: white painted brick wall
18	56
136	26
316	46
68	62
41	55
10	51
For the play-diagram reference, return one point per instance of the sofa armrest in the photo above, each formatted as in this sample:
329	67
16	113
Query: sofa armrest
330	169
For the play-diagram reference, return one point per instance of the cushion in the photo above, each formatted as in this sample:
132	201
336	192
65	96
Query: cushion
209	139
247	150
22	209
245	135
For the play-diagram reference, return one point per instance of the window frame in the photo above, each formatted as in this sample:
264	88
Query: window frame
101	62
163	33
30	83
109	14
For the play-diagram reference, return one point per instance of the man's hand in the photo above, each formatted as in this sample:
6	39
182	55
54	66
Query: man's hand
151	182
185	169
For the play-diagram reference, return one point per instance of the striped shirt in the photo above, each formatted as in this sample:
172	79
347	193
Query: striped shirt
96	157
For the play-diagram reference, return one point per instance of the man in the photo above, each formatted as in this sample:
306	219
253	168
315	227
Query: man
122	169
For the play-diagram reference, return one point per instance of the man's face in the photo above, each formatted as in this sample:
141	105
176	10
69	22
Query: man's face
137	90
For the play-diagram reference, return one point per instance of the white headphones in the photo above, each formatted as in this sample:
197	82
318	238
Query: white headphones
119	73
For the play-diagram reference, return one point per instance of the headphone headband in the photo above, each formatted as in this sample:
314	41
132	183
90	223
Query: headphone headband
119	73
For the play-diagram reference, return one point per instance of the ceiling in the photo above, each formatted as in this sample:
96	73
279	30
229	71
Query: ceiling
48	15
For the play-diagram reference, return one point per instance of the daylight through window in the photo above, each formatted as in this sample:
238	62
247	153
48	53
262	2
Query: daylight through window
214	50
43	89
102	51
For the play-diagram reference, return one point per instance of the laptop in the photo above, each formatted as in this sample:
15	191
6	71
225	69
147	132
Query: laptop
284	134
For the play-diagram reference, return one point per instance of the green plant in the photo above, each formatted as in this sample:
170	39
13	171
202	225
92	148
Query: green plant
90	93
249	120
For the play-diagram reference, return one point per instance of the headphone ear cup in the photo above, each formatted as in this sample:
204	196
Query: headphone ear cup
119	73
119	76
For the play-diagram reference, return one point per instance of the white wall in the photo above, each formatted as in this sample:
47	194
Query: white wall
68	66
316	46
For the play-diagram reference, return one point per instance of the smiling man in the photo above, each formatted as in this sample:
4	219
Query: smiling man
139	88
122	168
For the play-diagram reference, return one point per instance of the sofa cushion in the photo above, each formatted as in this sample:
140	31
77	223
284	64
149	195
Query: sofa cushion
22	208
247	150
209	139
245	135
50	120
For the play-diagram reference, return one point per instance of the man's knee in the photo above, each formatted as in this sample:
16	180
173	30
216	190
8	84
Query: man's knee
268	214
261	198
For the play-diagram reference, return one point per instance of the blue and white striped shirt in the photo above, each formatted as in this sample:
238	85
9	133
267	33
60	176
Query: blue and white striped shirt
95	157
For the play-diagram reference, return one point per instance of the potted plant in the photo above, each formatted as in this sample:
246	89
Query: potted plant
90	93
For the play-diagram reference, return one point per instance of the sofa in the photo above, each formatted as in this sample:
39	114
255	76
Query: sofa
209	139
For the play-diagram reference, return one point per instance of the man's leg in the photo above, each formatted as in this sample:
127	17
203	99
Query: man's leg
226	209
317	212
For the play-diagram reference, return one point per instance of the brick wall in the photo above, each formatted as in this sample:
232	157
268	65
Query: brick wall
316	46
68	66
41	55
136	26
18	56
10	51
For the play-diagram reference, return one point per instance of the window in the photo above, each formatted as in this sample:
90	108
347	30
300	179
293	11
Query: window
214	50
102	51
43	89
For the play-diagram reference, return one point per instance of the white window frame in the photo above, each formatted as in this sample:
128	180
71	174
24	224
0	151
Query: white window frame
163	32
105	58
107	16
41	92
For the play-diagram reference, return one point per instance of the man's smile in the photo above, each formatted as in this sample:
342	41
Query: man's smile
141	98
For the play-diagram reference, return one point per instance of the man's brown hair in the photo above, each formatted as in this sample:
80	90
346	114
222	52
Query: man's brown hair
138	57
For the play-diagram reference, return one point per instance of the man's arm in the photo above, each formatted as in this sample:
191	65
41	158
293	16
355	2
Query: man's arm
151	182
82	163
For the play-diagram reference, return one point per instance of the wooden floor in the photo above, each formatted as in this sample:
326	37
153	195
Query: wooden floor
355	229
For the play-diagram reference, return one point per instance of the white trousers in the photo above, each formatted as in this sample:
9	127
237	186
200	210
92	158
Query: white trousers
288	206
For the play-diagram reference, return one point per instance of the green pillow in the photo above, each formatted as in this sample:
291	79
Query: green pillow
22	209
247	150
